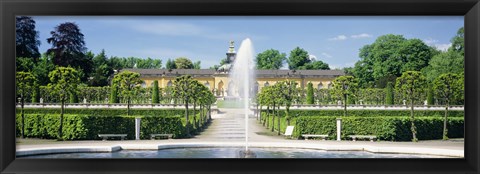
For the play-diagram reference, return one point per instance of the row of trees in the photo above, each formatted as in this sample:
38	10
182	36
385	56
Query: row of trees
64	82
390	55
68	49
410	85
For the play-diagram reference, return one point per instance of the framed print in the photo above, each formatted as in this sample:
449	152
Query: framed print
239	86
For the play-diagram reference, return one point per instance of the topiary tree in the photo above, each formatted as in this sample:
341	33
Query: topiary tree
182	89
63	82
448	87
128	82
389	94
114	94
310	93
411	84
24	85
343	87
430	95
288	93
155	92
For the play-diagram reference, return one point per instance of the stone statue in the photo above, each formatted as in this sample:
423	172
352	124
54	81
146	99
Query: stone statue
425	102
41	100
84	101
404	102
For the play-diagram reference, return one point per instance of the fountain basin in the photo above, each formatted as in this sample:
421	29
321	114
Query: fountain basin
232	150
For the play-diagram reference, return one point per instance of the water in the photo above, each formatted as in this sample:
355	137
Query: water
242	75
232	153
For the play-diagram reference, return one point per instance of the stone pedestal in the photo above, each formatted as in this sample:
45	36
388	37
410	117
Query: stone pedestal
137	128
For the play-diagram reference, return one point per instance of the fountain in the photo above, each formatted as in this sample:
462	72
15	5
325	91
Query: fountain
243	75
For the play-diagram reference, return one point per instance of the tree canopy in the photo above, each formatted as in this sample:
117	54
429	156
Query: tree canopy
389	56
270	59
183	63
26	38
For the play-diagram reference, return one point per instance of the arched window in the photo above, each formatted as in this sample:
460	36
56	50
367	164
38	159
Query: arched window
207	85
144	85
169	83
320	85
266	84
330	85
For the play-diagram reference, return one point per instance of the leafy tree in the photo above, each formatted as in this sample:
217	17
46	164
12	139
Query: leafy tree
445	62
128	82
448	87
343	87
389	94
36	92
411	84
390	55
63	82
430	95
196	65
315	65
183	63
26	38
183	90
288	93
24	86
114	94
270	59
68	48
170	64
298	57
42	69
155	92
458	42
102	70
195	96
310	93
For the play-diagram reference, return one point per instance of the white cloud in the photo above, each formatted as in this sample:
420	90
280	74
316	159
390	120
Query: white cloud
327	55
438	46
443	47
312	57
359	36
339	37
430	41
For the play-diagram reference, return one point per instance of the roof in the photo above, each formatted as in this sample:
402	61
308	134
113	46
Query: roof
260	73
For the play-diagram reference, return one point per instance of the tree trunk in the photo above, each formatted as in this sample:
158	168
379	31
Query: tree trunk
413	128
445	130
186	118
209	113
128	106
345	105
195	115
287	114
23	117
60	135
273	119
278	121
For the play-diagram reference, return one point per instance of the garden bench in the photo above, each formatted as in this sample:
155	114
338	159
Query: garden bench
355	137
105	136
289	131
152	136
306	136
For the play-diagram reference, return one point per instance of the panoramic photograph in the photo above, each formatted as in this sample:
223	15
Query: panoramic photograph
240	87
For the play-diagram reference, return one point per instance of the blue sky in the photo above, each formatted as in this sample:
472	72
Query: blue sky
334	40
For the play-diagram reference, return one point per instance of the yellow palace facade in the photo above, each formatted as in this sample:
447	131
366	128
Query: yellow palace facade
219	83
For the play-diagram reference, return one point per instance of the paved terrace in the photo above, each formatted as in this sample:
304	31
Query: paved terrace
227	130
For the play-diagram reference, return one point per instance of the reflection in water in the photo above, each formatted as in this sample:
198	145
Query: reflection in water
232	153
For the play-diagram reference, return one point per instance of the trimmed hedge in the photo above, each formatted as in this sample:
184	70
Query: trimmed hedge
385	128
84	127
371	113
108	112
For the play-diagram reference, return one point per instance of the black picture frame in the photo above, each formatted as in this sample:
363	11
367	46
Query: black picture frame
470	9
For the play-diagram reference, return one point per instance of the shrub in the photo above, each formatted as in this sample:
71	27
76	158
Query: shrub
84	127
371	113
385	128
108	112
